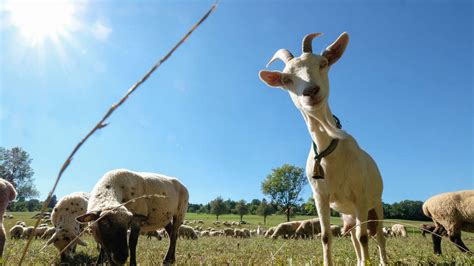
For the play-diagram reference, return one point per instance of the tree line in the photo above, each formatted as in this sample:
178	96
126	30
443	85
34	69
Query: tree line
283	188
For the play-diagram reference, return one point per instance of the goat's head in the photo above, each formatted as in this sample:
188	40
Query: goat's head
306	77
110	231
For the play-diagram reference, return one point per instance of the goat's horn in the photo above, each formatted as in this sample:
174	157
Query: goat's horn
307	46
282	54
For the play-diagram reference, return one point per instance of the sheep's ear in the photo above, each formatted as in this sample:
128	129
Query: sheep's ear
88	217
334	51
272	78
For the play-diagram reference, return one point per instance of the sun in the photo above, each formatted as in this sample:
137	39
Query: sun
38	21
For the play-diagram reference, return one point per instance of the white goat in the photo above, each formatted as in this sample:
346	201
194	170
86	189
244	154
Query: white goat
343	176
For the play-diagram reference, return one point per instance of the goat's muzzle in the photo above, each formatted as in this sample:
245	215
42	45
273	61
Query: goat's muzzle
311	91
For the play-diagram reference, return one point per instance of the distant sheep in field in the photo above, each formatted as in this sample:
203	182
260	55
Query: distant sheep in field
241	233
286	230
269	232
63	218
228	232
16	231
146	214
387	231
48	233
204	233
21	223
336	230
399	230
187	232
216	233
7	194
308	228
453	212
429	228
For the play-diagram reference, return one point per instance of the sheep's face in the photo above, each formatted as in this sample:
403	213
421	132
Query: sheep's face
62	238
306	77
110	231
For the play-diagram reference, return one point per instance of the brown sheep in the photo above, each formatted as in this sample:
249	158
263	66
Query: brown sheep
286	230
308	228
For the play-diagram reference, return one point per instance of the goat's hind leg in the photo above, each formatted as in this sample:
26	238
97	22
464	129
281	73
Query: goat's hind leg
379	235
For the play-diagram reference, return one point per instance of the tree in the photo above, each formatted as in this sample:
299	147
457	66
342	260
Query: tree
241	208
15	167
265	209
310	207
284	186
218	207
253	205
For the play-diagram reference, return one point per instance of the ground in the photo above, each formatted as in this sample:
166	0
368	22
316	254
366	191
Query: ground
257	250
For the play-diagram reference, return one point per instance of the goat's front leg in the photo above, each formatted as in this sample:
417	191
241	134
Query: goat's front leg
322	206
361	233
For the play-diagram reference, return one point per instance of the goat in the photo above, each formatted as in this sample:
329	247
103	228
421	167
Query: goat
342	175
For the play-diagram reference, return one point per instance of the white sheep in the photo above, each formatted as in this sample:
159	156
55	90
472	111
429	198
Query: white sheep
286	230
204	233
453	212
164	207
269	232
63	218
216	233
187	232
308	228
342	175
21	223
387	231
7	194
48	233
16	231
398	230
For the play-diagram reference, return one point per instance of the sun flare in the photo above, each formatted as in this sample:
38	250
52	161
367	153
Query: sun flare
38	21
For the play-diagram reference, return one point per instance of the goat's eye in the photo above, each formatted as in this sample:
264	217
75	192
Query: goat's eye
323	64
285	80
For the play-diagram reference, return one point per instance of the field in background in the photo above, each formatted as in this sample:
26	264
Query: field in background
257	250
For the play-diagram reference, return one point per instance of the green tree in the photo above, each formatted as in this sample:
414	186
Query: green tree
241	208
284	186
218	207
310	207
253	205
265	209
15	167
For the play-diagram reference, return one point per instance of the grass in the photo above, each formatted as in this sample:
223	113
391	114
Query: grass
255	251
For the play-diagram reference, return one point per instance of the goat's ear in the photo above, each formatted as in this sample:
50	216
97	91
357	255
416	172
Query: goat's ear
334	51
271	78
88	217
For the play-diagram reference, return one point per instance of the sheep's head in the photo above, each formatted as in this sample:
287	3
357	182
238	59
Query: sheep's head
61	238
306	77
110	231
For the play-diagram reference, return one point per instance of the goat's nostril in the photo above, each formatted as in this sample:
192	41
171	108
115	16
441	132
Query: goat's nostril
311	91
316	89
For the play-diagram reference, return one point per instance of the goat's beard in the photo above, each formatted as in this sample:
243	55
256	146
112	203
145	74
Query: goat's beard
325	118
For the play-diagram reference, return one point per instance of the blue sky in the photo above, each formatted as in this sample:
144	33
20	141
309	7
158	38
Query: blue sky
403	89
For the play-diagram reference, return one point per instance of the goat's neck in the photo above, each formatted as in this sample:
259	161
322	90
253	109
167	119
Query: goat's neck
314	122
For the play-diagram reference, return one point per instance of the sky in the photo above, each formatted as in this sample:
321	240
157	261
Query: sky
403	89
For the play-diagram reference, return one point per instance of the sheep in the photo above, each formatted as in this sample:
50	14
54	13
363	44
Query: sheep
269	232
241	233
336	230
228	232
286	229
21	223
187	232
63	218
387	231
341	174
150	234
308	228
7	194
429	228
27	232
204	233
399	230
16	231
453	212
48	233
216	233
147	214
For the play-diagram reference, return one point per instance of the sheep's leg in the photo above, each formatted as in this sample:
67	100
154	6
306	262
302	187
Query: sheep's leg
132	243
437	240
172	230
2	238
380	236
322	206
361	233
456	239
